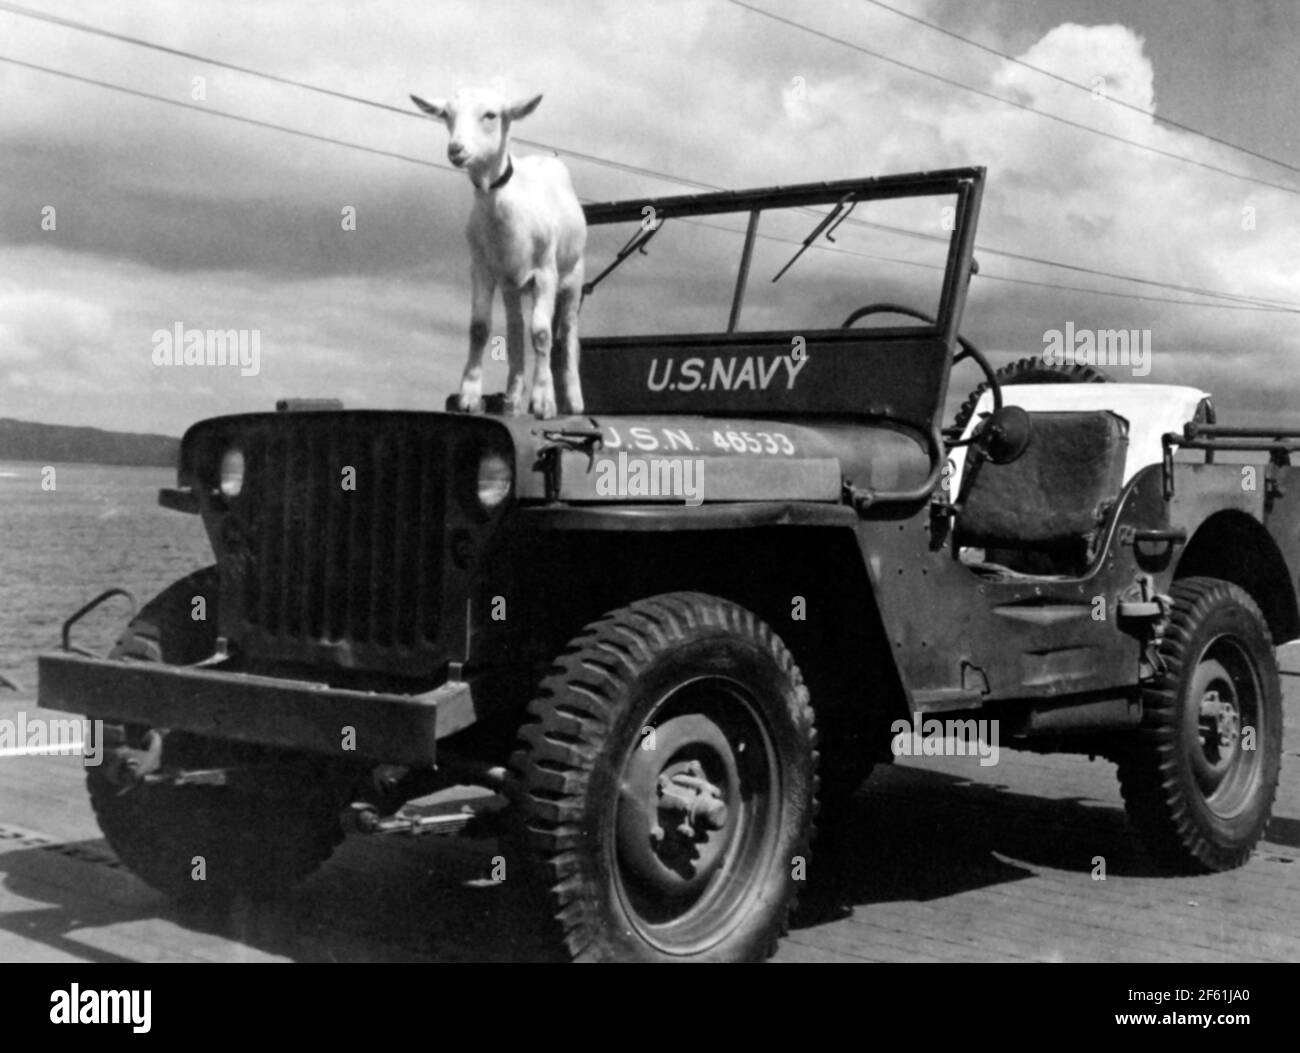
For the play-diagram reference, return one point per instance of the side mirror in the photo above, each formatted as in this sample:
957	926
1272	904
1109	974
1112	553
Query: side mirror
1004	435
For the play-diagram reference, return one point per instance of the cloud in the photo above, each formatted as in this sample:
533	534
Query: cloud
87	358
165	214
1109	59
54	331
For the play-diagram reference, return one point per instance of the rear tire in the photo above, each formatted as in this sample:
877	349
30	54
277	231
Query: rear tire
667	784
1192	783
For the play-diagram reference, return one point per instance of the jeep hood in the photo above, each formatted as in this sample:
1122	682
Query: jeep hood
695	460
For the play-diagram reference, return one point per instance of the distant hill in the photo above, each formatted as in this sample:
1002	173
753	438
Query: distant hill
22	440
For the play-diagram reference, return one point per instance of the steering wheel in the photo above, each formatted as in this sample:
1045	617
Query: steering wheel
968	350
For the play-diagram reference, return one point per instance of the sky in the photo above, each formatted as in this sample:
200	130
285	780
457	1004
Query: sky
121	216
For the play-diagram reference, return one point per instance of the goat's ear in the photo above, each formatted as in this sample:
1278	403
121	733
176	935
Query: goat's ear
437	108
517	111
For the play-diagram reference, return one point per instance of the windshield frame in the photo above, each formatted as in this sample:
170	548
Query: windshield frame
965	185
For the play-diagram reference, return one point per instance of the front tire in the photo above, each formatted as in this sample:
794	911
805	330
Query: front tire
668	784
204	844
1200	778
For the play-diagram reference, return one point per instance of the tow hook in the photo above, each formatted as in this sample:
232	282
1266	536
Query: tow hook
130	766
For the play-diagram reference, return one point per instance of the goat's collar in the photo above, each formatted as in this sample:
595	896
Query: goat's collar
503	179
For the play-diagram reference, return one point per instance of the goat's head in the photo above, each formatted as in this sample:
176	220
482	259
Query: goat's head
478	121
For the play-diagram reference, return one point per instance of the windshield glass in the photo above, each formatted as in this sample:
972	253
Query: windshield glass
678	274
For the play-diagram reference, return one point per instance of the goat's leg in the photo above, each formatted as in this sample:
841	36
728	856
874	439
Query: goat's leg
567	302
480	326
543	397
514	302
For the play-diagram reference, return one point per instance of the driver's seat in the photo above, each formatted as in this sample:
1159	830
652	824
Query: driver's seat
1043	513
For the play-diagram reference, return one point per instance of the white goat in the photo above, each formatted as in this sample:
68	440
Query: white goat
526	232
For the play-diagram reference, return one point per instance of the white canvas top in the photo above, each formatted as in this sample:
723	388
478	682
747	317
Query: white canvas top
1151	410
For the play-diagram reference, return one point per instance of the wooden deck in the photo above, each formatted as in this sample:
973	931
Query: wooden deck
950	862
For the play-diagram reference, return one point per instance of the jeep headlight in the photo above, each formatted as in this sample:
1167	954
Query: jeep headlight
496	474
232	473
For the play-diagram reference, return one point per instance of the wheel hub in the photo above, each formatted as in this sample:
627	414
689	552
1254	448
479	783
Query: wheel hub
677	806
1214	724
687	798
1220	721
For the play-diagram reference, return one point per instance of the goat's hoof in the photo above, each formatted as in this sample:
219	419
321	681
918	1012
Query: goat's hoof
542	404
467	404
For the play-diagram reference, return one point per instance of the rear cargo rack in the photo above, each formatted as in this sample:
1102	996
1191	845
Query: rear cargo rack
1278	443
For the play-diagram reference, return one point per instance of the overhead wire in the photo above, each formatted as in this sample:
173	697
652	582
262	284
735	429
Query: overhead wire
1233	298
880	55
953	34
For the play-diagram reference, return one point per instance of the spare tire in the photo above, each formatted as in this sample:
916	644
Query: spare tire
1031	371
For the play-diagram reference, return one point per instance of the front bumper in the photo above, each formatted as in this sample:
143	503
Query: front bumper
240	707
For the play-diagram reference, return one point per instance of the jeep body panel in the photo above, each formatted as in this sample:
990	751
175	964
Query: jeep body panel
1039	638
357	555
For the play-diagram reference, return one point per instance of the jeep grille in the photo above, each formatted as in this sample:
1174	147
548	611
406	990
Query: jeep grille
309	560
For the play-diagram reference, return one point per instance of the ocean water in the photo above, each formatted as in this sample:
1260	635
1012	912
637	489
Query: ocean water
99	527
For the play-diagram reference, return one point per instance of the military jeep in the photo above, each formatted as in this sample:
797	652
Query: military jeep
666	632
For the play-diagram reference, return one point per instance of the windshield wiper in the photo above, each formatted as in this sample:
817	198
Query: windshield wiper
833	219
636	243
